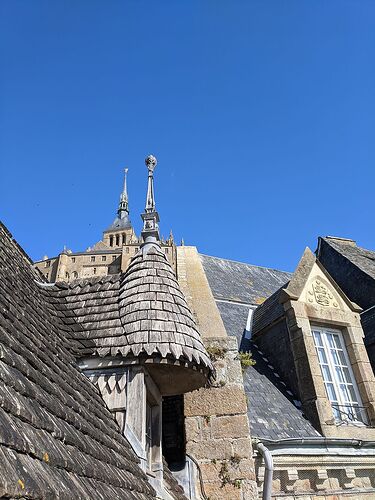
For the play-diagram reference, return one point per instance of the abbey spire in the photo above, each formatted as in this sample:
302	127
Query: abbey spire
123	208
122	220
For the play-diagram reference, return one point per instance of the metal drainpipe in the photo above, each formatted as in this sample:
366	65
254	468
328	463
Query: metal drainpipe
268	473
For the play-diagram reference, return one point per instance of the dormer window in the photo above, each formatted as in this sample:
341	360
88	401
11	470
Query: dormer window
338	377
47	263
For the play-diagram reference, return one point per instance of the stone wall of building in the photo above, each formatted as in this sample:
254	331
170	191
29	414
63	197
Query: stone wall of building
69	266
216	423
217	428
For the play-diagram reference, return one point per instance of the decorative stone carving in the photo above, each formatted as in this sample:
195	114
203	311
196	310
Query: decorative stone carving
320	294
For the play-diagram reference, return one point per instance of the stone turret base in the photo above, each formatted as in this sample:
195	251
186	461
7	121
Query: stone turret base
217	428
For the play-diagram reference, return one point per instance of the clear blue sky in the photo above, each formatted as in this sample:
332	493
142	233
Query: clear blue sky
261	114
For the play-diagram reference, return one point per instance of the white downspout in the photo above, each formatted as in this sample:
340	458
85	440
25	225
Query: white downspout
268	473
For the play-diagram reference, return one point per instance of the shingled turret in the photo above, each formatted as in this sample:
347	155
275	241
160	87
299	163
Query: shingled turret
154	312
140	317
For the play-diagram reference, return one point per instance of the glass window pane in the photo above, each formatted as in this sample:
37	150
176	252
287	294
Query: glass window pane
353	397
331	341
337	341
317	338
344	393
322	356
327	377
335	357
331	392
347	375
342	358
339	374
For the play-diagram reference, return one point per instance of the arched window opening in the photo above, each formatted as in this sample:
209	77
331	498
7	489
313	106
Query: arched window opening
117	240
111	241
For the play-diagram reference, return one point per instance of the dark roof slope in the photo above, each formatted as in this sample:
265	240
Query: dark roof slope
368	324
352	267
361	257
268	312
57	439
239	282
273	409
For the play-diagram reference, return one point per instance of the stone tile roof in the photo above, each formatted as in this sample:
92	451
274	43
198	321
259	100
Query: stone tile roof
268	312
235	317
240	282
273	409
361	257
368	324
57	438
141	311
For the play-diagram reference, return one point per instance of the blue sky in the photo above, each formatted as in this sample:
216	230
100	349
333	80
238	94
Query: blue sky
261	114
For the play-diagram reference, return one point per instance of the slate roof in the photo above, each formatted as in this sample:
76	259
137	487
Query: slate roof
361	257
235	317
119	223
273	409
368	323
57	438
268	312
141	311
237	288
240	282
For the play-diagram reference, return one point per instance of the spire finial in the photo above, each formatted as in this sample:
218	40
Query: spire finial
150	232
151	163
123	208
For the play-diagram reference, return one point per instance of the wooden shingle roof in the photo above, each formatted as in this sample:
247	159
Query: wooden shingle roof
141	313
57	438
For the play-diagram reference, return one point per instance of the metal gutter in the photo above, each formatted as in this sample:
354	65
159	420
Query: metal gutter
268	469
320	446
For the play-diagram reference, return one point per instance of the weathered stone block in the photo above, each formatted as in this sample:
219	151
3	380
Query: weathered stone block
192	429
242	447
227	400
216	491
234	426
210	449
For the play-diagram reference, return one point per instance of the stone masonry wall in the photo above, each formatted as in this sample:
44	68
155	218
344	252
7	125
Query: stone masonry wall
217	428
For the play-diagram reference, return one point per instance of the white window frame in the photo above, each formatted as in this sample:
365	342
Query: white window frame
344	405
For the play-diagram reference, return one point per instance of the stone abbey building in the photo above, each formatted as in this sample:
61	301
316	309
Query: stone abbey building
140	369
111	255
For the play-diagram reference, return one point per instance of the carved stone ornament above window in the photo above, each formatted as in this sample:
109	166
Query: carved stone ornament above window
320	294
